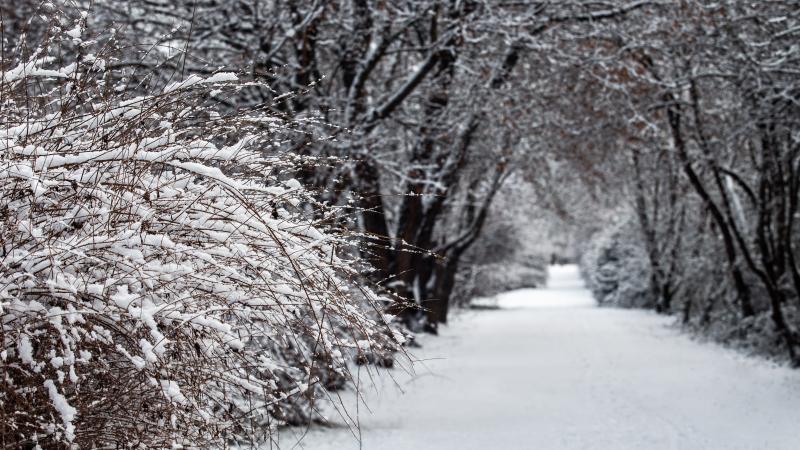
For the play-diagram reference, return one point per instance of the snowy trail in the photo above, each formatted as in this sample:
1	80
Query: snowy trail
550	371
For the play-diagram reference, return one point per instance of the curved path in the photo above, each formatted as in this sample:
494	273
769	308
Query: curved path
551	371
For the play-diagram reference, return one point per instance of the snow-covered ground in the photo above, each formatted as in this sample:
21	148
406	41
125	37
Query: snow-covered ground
550	371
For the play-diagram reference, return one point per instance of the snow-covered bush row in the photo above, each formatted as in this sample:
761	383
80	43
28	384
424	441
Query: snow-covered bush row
513	251
491	279
160	283
615	266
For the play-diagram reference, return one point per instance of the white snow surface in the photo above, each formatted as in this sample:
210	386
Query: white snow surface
549	370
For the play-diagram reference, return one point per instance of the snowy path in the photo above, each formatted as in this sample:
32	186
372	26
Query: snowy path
551	371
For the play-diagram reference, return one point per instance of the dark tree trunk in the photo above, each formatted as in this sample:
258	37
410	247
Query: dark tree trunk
742	289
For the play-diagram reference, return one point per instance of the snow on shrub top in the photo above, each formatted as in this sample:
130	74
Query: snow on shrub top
159	281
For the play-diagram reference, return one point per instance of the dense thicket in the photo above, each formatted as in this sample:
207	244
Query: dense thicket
162	283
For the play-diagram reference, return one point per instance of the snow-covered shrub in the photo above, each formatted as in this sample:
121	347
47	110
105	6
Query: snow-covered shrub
492	279
510	251
615	267
160	282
